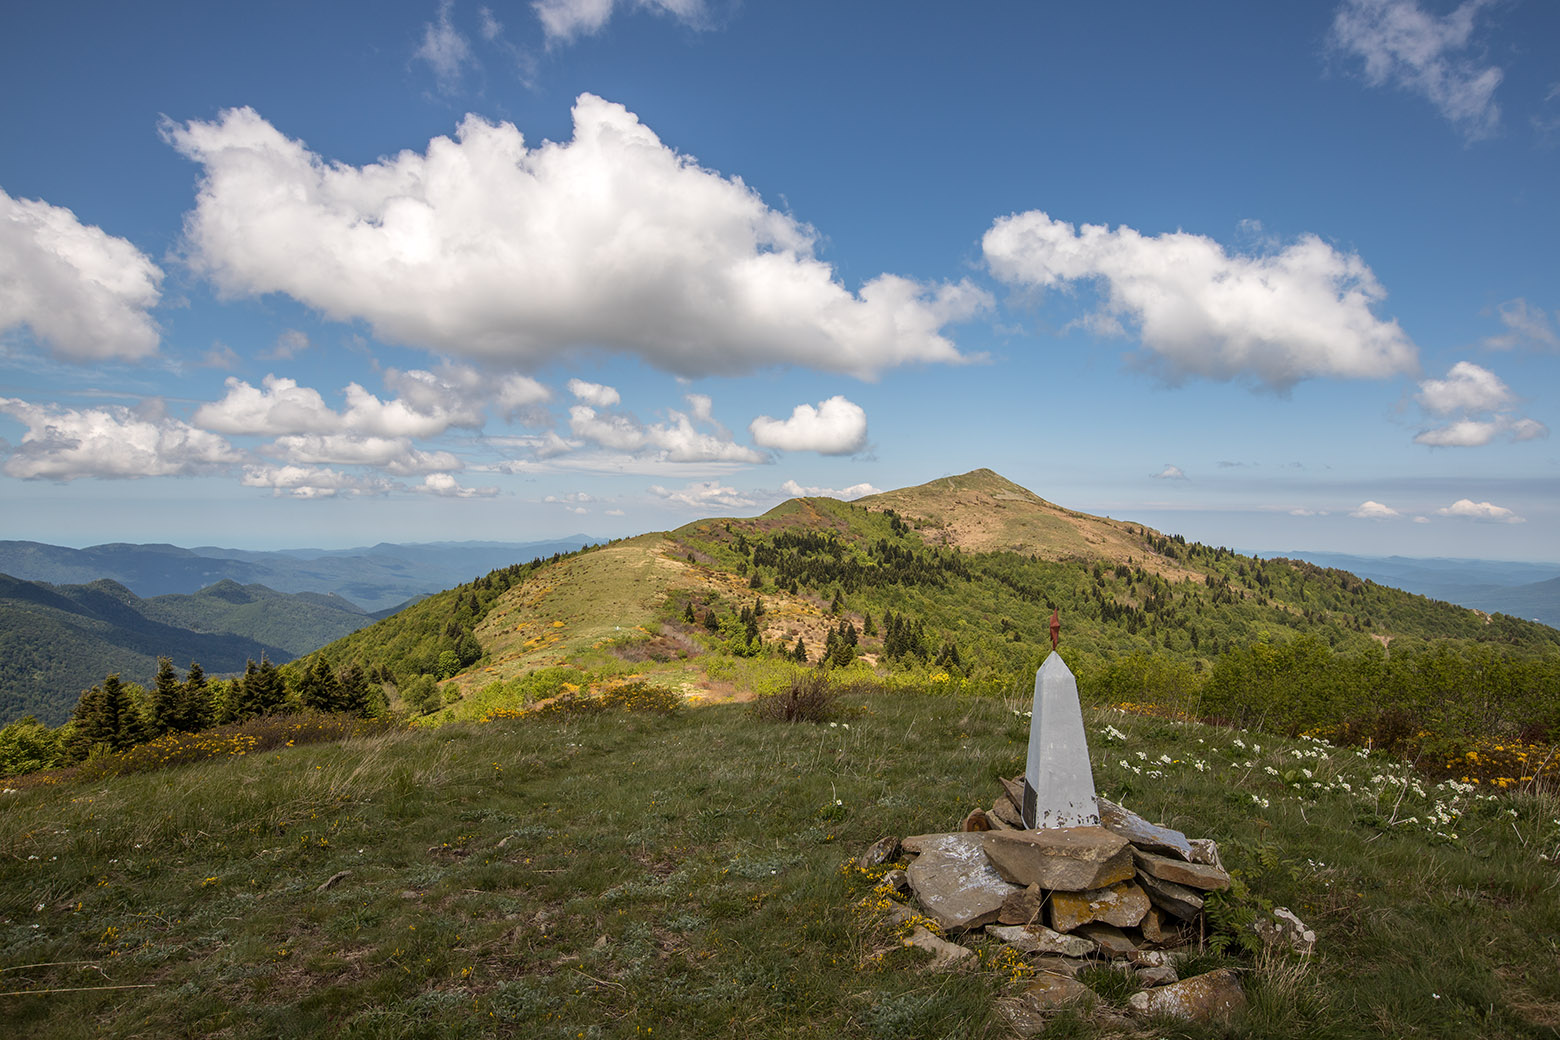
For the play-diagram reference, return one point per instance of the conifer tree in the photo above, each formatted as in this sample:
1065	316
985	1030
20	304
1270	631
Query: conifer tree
196	710
167	692
318	689
352	696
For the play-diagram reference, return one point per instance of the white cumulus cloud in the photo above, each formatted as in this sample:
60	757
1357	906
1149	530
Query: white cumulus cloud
835	427
595	393
392	454
1466	507
445	485
84	293
486	248
1481	403
1403	45
1169	473
795	490
678	440
1467	387
312	482
705	493
1279	318
427	406
1373	510
65	443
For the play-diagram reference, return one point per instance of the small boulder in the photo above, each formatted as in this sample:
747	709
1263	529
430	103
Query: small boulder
1049	991
1162	975
1022	906
1150	837
1206	850
1176	900
1193	875
954	882
1037	938
1002	809
946	956
880	852
1112	941
976	821
1158	927
1286	929
1122	904
1214	997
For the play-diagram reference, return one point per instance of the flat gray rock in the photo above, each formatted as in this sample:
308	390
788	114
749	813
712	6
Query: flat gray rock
1202	876
1063	859
1213	997
1040	939
1150	837
953	880
1175	900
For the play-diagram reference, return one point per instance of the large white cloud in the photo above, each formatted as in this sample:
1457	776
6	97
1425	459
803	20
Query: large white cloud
312	482
1370	509
486	248
1424	54
836	427
1277	319
84	293
65	443
1475	433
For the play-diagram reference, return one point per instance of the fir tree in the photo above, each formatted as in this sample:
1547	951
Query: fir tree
196	710
167	695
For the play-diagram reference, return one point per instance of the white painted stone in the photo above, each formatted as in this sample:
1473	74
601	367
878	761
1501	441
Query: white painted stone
1058	783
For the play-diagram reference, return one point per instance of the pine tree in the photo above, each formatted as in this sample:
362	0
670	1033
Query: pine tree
799	652
318	689
353	690
196	710
167	693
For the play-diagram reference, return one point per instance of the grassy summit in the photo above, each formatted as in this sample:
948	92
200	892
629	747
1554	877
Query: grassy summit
682	874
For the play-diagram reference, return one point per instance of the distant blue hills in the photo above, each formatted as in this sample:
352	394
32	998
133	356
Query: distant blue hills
1524	590
375	578
69	617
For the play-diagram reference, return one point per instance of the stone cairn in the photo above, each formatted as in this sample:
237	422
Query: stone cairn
1065	878
1125	891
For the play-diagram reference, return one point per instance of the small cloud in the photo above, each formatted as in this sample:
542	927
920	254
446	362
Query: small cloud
704	494
1423	54
288	345
1525	327
795	490
615	512
1421	519
595	394
444	49
1466	388
836	427
219	356
1298	511
1169	473
564	20
445	486
1485	511
1372	510
574	498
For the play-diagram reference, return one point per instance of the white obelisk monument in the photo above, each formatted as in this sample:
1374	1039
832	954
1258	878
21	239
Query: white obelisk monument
1058	783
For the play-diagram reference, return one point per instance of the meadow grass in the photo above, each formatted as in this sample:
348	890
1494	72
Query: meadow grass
622	872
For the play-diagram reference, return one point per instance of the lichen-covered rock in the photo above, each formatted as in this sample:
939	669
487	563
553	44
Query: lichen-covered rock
1049	991
1037	938
954	882
1206	850
880	852
1122	904
1112	941
1064	859
1201	876
1213	997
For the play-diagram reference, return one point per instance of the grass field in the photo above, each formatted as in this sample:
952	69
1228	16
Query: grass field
679	874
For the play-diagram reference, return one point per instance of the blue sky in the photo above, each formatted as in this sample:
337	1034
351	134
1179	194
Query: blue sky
1268	276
